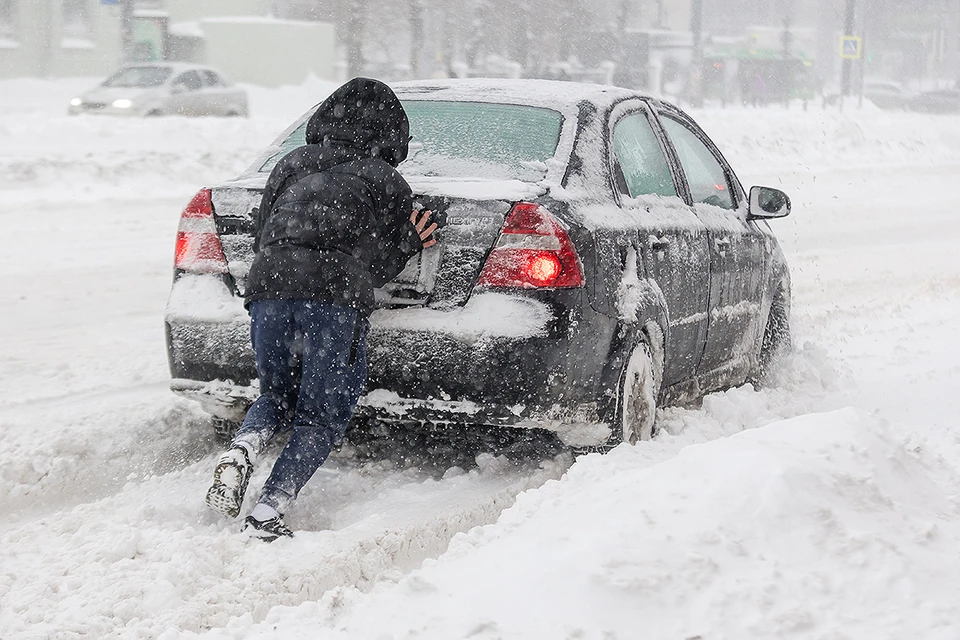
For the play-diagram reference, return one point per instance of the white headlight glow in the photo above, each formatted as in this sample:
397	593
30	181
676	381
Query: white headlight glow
76	102
122	103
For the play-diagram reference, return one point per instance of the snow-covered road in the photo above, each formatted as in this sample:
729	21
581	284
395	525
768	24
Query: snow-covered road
836	525
102	471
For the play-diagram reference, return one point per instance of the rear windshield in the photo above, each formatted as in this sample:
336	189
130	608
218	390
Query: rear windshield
138	77
469	140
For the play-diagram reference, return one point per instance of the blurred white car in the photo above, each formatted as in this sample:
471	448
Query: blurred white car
157	89
885	94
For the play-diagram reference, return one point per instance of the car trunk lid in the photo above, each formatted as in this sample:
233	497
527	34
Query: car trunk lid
442	276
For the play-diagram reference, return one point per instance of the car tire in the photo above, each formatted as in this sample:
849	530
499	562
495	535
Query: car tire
224	430
777	340
637	396
644	349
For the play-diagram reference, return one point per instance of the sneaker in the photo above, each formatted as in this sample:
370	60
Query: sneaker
230	478
266	530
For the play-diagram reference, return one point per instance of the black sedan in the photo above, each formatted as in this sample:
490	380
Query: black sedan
598	258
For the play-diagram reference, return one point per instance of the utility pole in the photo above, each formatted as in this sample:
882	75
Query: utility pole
955	41
848	26
417	38
126	30
46	52
622	74
696	63
787	41
355	23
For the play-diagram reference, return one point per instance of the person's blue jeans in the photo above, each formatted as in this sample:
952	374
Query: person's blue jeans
311	359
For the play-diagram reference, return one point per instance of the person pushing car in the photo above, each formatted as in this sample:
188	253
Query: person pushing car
335	221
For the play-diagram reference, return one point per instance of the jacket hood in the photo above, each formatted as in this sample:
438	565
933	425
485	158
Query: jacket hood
364	115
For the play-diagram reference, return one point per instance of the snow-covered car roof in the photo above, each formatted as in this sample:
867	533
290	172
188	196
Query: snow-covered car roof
555	94
175	67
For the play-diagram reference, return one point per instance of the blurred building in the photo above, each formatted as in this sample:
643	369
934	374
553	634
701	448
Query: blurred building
759	51
912	41
53	38
39	38
762	51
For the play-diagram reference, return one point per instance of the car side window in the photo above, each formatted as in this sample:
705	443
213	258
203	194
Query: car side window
211	79
637	150
705	175
189	81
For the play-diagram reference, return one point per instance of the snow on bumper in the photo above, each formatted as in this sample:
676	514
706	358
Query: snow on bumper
575	426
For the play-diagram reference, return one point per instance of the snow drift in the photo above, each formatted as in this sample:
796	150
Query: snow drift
819	526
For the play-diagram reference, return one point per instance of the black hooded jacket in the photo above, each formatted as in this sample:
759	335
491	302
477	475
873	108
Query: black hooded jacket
334	220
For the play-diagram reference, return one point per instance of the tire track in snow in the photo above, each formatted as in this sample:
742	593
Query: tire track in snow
151	557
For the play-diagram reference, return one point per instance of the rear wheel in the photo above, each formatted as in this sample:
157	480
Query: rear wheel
637	400
633	383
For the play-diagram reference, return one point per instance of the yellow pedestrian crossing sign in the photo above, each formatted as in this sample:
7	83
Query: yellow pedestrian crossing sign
851	47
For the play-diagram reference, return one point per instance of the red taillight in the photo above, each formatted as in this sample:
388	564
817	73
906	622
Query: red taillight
198	245
533	251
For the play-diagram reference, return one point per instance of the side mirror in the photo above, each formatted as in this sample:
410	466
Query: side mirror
177	89
766	202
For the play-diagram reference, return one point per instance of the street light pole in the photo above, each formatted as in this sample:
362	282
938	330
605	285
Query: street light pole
126	30
696	64
787	42
848	25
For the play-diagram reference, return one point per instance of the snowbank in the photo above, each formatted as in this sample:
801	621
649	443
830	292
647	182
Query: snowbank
161	560
820	526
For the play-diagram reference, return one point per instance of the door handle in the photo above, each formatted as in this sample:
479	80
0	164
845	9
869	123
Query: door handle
658	244
722	245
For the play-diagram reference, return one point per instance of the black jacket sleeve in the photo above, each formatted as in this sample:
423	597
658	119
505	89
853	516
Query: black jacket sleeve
398	240
271	192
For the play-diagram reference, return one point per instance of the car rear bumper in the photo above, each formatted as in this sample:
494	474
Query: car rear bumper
575	425
498	361
211	351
